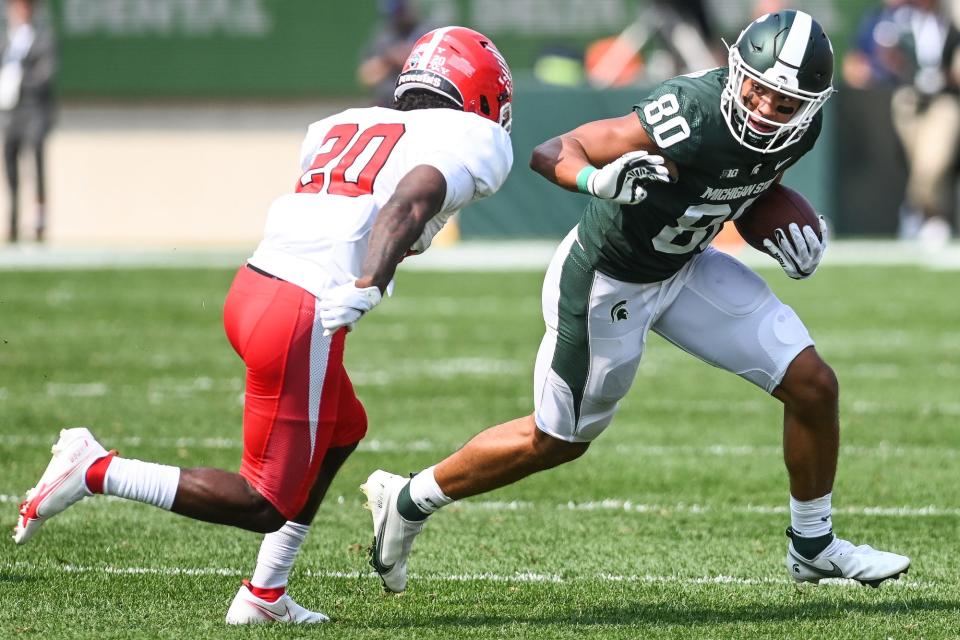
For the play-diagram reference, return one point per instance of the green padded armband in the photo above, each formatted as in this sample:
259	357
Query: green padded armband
582	178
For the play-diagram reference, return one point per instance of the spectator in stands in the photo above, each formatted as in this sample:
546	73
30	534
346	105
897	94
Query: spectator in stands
27	70
926	116
874	59
695	13
401	26
667	38
911	46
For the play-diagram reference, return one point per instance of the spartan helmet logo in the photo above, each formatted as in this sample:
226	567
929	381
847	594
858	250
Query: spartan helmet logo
619	311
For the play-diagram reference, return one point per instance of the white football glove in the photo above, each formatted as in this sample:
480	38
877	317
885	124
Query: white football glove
801	257
343	305
622	180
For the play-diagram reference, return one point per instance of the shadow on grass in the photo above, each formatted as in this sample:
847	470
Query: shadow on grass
679	614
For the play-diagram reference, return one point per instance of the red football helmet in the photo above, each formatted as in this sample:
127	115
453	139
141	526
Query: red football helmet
464	66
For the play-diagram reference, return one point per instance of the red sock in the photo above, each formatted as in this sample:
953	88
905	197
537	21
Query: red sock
268	595
97	471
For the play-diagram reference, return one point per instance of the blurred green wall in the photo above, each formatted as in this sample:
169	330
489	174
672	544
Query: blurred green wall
209	48
291	48
283	49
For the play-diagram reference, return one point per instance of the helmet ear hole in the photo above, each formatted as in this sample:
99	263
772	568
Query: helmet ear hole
484	105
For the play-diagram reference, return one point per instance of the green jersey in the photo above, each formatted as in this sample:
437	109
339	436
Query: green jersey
718	179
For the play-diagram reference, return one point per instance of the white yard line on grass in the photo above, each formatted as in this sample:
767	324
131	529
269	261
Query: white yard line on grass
76	390
627	506
522	577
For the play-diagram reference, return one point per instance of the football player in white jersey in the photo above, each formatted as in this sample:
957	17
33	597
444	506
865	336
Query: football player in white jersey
376	185
640	260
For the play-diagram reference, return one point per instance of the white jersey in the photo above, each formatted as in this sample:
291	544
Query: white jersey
352	162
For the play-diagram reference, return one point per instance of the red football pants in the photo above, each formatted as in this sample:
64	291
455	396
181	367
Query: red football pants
299	400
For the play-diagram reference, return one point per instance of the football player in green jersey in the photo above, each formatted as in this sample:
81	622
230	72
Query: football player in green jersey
693	154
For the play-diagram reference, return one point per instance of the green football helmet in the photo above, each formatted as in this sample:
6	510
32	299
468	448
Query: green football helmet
787	52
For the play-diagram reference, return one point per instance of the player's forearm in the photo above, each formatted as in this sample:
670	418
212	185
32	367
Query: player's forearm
419	197
559	160
396	229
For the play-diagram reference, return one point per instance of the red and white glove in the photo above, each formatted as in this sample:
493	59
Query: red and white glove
801	257
343	305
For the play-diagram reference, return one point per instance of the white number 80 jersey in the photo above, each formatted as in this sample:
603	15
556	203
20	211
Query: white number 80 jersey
351	164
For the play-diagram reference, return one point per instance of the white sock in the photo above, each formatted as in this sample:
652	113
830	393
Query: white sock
426	493
811	518
277	553
147	482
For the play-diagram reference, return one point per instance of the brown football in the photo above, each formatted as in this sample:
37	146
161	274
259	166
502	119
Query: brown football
775	209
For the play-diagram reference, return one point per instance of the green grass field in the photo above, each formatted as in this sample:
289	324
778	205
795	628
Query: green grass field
671	526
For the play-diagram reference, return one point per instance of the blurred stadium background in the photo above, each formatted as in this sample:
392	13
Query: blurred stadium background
180	120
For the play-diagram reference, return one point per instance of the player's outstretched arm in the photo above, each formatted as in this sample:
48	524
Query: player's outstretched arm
418	197
596	144
610	159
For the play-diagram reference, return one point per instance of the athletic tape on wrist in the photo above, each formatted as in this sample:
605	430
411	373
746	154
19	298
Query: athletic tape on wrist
582	177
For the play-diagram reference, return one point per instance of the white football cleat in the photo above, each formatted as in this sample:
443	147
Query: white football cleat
62	484
841	559
247	608
392	534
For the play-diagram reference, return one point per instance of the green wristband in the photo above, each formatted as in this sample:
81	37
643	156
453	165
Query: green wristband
582	178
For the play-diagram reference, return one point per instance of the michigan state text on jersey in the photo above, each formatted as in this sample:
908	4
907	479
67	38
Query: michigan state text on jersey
718	178
727	152
639	261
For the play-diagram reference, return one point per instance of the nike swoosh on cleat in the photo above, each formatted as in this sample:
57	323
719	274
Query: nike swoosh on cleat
31	508
835	572
378	566
286	616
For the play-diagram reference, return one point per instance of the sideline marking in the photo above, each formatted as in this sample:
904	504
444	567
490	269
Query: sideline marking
502	255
